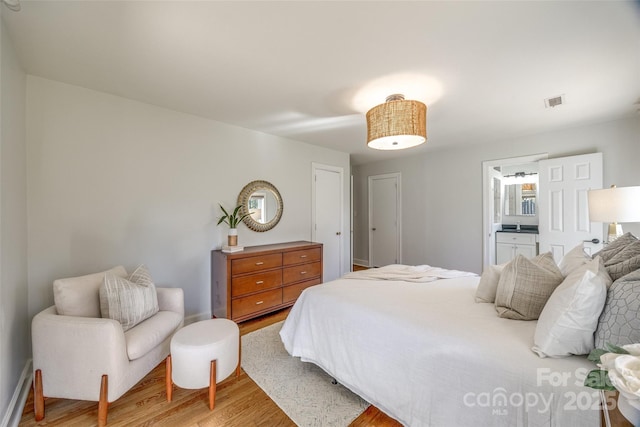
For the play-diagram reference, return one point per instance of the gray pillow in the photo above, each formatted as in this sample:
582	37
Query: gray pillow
616	246
625	261
619	323
526	285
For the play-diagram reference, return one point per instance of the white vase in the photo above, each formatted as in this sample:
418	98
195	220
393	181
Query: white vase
630	412
232	238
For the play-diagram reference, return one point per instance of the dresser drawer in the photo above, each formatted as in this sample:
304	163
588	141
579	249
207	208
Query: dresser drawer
301	272
242	285
304	255
292	292
518	238
255	263
253	303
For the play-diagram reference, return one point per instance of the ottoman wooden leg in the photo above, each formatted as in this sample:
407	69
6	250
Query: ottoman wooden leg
212	385
168	380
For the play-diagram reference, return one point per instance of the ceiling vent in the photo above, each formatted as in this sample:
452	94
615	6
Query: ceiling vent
554	102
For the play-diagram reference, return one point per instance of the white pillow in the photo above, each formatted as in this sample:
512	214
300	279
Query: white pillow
488	285
573	259
570	317
78	296
128	301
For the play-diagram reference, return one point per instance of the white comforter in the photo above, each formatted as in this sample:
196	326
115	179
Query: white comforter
428	355
407	273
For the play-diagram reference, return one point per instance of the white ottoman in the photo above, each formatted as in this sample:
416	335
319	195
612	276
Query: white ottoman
203	354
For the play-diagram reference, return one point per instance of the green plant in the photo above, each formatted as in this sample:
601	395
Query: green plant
232	219
599	378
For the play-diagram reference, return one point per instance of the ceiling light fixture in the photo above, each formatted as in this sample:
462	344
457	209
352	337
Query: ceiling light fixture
397	124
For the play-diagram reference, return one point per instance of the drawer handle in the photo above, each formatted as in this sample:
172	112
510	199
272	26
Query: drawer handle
303	256
259	263
259	282
259	302
303	272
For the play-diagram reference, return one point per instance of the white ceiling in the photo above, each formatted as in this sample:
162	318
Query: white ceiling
309	70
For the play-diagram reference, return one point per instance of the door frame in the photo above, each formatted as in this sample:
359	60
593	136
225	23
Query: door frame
487	215
397	176
319	166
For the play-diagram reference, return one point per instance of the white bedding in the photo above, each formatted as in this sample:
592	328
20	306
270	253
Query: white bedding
428	355
407	273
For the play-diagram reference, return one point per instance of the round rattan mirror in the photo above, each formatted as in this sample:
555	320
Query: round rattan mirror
263	202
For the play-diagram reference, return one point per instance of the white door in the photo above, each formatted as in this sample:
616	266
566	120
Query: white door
384	220
495	207
564	211
327	218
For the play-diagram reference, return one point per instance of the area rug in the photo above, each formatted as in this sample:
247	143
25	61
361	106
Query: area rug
302	390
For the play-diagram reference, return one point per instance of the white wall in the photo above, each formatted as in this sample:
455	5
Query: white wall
14	320
442	190
113	181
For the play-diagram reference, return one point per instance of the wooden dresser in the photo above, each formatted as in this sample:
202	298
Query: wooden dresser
261	279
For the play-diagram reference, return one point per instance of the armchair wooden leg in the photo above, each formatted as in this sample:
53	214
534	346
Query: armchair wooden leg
103	403
38	396
212	385
168	381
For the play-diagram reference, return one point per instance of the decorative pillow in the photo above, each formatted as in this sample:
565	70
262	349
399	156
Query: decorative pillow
78	296
625	261
573	259
570	317
129	301
619	322
616	246
488	285
631	277
526	285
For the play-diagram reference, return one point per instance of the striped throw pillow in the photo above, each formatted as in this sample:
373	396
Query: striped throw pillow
525	286
129	301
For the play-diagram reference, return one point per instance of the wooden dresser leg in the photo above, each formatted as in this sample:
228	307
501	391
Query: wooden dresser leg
212	385
168	380
103	403
38	396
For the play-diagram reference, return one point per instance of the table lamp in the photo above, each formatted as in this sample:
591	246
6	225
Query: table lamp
614	205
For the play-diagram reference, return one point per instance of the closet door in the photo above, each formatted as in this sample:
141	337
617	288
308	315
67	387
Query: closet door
327	211
564	209
384	220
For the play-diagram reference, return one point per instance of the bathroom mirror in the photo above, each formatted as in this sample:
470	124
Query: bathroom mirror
263	202
520	199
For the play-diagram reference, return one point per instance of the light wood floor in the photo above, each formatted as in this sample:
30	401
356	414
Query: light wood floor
239	402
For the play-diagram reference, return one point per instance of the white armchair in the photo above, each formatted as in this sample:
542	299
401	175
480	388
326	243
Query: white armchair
79	355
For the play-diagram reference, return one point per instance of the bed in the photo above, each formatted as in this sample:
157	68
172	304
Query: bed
427	354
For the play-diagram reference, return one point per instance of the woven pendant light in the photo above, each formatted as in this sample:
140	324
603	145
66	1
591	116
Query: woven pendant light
397	124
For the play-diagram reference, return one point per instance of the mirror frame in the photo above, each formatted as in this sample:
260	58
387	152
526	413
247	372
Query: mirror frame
243	200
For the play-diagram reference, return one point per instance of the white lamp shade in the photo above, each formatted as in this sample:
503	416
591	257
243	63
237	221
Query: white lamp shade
616	204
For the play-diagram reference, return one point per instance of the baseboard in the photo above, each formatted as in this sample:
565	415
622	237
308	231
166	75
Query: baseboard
361	262
16	405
